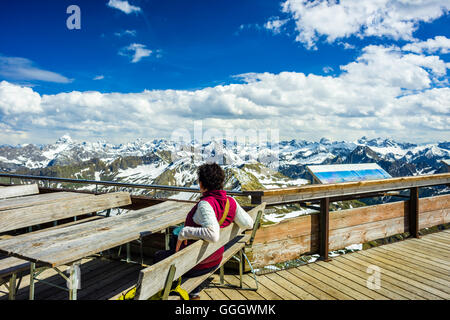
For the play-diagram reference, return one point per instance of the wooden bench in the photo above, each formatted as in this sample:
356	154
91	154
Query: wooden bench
160	275
54	208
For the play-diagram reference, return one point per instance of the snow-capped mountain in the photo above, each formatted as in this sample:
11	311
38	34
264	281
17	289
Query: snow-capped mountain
247	167
145	161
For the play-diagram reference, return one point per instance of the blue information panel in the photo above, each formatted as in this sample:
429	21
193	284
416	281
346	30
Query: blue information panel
347	172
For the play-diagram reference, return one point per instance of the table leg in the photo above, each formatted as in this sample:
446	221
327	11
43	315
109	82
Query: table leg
241	268
12	287
167	239
128	252
32	272
74	279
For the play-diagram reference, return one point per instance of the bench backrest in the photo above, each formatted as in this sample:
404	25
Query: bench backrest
152	279
19	190
28	216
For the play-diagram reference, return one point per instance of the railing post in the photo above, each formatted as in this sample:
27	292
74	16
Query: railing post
414	212
324	228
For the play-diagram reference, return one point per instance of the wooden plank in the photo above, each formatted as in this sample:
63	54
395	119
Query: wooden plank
248	294
390	287
204	296
417	254
263	291
320	274
38	199
215	294
436	244
424	251
411	257
406	276
231	293
18	191
334	276
359	279
442	251
275	287
438	237
29	216
315	292
152	279
292	288
303	273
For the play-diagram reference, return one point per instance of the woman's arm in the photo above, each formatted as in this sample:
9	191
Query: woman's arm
210	229
206	218
243	219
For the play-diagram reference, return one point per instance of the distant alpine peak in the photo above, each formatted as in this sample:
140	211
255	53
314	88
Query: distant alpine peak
65	139
325	141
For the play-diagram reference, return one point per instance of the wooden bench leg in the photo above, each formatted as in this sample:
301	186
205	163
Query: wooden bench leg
241	257
222	274
252	270
169	281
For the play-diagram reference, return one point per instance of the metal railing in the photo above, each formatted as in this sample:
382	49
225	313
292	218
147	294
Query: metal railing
114	184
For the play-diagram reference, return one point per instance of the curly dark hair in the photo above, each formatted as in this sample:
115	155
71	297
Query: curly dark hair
212	176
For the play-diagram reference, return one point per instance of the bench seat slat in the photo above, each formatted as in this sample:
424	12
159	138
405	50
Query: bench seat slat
192	283
10	265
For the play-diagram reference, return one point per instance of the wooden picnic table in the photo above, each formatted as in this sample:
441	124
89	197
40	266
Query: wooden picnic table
65	245
68	245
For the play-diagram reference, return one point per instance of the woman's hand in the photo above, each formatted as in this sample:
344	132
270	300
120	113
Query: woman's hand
179	242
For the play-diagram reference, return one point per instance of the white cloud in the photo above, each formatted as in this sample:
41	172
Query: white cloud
131	33
439	44
275	24
327	69
123	6
16	99
17	68
384	92
137	51
396	19
99	77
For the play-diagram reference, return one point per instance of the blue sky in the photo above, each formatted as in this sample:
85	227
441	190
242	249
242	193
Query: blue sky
139	68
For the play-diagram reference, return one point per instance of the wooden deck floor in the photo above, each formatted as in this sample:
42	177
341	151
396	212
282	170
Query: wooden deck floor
410	269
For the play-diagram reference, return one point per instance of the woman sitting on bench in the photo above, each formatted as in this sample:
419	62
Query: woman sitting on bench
215	210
